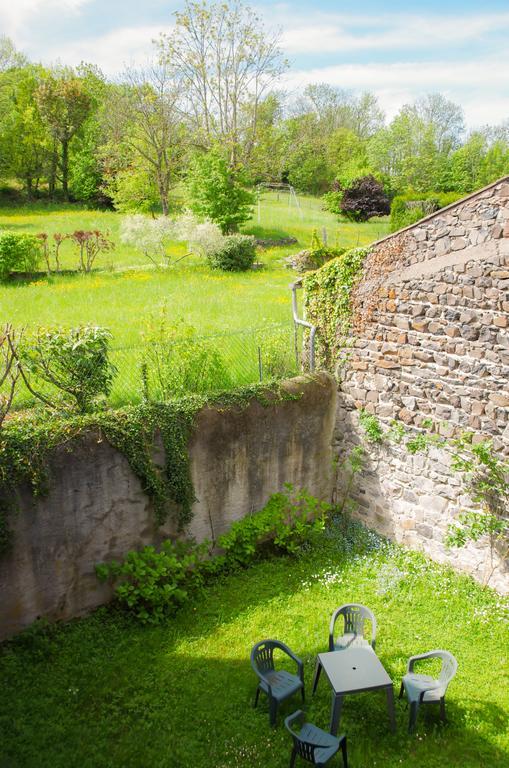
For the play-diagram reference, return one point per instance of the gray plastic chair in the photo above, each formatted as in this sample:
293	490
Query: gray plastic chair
278	685
313	744
424	689
354	617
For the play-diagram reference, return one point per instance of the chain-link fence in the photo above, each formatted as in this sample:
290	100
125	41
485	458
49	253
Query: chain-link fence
158	370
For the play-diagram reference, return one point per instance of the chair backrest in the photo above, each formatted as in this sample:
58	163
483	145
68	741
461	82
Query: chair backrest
304	748
449	668
262	655
354	616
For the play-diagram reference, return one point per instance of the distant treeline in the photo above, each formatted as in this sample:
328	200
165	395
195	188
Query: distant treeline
215	82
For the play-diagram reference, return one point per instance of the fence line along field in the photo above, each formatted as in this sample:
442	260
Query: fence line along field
125	292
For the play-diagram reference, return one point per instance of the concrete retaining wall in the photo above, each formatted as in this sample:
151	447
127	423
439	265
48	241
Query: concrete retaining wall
96	510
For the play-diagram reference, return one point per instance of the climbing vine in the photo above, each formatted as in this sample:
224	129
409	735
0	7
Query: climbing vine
27	443
327	299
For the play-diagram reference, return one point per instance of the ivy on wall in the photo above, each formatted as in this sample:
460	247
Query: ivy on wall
327	301
27	444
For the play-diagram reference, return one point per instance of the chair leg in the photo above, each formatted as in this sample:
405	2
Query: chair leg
442	710
257	696
273	711
303	693
292	757
343	752
401	691
414	706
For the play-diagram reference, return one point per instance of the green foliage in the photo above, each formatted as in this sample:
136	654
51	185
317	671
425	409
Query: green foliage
73	362
216	192
487	483
133	190
284	525
411	207
18	253
236	254
177	361
371	426
327	298
153	584
276	354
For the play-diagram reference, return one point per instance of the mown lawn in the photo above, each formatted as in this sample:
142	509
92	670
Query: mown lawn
106	693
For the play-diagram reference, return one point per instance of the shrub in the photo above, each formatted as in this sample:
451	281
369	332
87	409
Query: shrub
283	526
237	254
150	236
90	244
74	362
178	362
18	252
203	237
365	198
153	585
411	207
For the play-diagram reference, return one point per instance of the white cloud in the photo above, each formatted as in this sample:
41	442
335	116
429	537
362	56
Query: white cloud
333	33
113	52
479	85
16	16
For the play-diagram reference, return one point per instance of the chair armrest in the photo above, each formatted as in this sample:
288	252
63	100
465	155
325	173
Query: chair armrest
299	662
298	716
413	659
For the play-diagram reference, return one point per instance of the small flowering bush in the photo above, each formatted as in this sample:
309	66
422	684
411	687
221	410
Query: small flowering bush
150	236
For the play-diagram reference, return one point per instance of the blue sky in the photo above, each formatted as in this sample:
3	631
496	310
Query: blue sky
399	50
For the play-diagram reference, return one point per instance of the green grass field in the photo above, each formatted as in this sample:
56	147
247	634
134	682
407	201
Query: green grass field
103	692
123	292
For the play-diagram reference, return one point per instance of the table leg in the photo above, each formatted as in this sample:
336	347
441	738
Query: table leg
390	707
337	702
316	678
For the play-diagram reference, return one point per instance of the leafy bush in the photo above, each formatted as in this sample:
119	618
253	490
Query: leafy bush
150	236
216	192
203	237
237	254
409	208
284	525
365	198
153	585
74	362
90	244
277	354
18	252
178	362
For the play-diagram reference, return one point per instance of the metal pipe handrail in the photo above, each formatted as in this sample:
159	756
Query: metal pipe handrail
299	321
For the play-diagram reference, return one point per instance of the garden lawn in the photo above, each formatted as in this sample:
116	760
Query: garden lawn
105	692
123	292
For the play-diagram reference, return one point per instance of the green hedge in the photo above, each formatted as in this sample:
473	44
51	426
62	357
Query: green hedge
411	207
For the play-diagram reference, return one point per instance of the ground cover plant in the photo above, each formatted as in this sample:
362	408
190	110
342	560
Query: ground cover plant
125	289
105	691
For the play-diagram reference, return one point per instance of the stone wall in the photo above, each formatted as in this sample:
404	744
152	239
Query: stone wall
96	510
432	342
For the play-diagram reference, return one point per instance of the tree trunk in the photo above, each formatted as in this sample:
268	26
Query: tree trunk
65	169
52	172
29	186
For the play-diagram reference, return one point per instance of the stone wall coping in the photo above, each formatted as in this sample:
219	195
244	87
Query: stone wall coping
441	211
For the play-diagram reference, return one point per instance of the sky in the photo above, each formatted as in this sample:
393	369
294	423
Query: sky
398	50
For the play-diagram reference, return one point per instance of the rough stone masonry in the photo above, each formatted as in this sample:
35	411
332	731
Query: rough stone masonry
433	345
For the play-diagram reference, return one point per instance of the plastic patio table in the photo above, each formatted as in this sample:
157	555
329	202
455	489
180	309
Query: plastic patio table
353	670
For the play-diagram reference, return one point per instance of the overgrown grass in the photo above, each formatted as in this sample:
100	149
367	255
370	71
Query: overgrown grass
104	692
123	291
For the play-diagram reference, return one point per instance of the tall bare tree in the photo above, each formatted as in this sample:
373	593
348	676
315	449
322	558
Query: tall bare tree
226	63
145	125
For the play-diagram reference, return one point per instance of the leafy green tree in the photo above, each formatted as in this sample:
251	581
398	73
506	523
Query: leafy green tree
64	104
25	144
216	192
